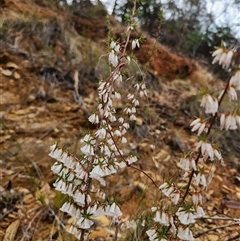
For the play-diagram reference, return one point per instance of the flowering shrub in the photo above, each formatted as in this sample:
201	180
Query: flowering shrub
83	179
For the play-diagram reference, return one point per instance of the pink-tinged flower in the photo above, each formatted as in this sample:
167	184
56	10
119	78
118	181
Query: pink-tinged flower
210	104
217	55
185	234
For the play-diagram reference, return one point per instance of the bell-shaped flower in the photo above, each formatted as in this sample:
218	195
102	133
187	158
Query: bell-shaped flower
235	80
185	234
84	223
166	189
186	216
152	234
162	218
217	55
210	104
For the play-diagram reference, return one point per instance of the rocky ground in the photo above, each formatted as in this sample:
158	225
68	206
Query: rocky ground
41	47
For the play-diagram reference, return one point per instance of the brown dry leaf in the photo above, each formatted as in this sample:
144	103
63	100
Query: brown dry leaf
16	75
12	65
6	72
11	231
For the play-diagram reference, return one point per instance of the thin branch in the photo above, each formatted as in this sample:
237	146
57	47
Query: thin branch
216	228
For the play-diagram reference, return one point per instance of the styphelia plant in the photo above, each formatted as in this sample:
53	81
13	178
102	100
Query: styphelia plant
83	179
185	204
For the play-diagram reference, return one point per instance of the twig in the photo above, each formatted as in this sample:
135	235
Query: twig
234	238
219	227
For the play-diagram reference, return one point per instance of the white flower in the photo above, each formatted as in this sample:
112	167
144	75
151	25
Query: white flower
56	168
166	189
232	94
101	133
60	186
87	150
151	233
200	212
196	198
217	154
55	152
135	43
94	118
227	61
200	179
113	211
162	218
235	80
210	104
185	217
75	231
198	125
185	234
206	149
217	54
84	223
175	197
113	59
230	123
112	44
222	121
79	197
237	117
131	160
185	164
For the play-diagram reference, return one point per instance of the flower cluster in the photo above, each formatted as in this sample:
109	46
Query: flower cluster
73	180
223	56
83	179
185	205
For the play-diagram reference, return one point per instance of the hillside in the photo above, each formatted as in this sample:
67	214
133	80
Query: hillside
42	47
